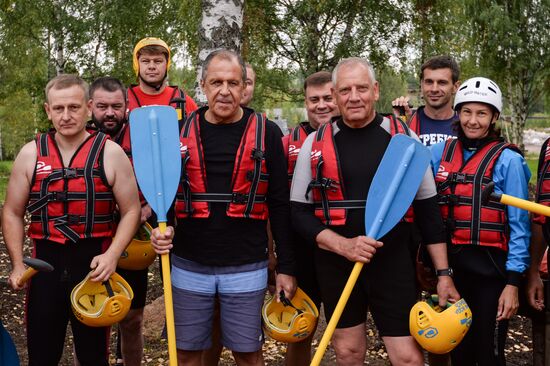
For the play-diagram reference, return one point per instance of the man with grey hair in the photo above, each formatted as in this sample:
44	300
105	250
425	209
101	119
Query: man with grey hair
351	148
234	179
70	181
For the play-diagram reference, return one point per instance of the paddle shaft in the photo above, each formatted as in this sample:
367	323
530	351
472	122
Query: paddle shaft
372	233
170	327
521	203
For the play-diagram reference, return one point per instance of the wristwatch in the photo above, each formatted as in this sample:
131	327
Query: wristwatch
444	272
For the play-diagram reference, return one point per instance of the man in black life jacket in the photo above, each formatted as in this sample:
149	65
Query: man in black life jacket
70	181
234	179
108	96
320	108
327	205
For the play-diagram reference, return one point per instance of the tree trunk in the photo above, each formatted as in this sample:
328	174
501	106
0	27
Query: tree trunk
221	27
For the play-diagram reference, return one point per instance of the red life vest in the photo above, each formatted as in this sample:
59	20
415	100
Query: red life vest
414	122
327	182
292	143
70	203
249	181
543	186
459	187
177	99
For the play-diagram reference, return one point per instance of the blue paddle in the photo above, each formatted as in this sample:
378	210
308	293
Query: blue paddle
156	155
8	353
390	195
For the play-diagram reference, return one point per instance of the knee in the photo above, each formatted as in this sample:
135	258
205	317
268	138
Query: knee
248	358
407	359
133	321
348	354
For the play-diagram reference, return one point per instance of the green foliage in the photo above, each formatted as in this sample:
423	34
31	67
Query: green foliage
392	86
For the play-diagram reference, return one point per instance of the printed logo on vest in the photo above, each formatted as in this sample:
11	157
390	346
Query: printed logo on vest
183	148
293	150
315	154
42	168
441	173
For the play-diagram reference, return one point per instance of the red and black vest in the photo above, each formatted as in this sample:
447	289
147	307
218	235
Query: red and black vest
74	202
249	181
543	185
177	100
292	144
459	187
327	184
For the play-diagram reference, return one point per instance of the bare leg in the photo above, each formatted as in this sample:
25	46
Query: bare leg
131	330
403	351
249	358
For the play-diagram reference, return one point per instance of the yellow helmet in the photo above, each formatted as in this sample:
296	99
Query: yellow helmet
290	322
139	254
101	304
439	330
149	41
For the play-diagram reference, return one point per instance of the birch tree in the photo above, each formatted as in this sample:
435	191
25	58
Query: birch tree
220	27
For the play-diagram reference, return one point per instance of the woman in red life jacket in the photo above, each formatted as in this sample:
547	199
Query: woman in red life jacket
488	242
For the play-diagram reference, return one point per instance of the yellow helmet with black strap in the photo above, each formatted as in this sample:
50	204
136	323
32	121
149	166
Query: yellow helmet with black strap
101	304
288	321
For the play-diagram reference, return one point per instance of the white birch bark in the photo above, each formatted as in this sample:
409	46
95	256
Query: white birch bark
221	27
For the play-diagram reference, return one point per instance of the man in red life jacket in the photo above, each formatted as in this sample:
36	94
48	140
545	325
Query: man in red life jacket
234	179
151	62
70	181
320	108
108	107
327	204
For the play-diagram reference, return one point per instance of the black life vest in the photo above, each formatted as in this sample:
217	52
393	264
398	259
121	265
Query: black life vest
74	202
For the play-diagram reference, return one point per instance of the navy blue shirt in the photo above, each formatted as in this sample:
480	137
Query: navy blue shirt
433	131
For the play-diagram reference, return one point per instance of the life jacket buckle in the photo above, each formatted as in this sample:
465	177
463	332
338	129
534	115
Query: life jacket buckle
58	196
239	198
453	199
459	177
73	219
70	173
257	155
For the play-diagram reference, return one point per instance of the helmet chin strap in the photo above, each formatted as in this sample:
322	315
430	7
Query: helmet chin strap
155	86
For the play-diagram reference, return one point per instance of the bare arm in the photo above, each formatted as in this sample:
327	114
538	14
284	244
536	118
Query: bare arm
535	288
14	209
120	176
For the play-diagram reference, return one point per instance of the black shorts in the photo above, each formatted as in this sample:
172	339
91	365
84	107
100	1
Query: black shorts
138	282
306	275
386	286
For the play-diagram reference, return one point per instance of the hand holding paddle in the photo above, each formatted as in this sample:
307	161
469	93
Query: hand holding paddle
157	163
391	192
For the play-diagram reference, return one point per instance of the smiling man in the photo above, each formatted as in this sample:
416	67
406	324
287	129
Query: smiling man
234	179
433	122
320	107
338	174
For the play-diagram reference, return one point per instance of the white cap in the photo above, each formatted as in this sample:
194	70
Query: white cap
480	90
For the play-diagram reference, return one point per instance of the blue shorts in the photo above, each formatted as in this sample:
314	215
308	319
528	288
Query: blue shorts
240	290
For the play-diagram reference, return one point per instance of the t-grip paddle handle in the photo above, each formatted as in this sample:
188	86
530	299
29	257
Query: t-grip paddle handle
372	233
35	265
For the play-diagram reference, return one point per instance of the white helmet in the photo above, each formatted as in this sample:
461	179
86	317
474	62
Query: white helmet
480	90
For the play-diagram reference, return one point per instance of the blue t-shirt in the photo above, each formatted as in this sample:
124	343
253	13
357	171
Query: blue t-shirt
433	131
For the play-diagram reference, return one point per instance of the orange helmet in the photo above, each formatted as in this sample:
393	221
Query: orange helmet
149	41
439	330
101	304
287	321
139	254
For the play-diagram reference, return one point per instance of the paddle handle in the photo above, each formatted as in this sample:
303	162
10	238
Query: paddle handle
170	327
337	314
525	205
29	272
